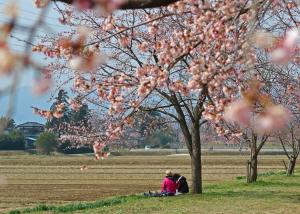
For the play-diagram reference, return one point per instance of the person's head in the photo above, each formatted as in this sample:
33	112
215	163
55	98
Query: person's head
176	175
168	173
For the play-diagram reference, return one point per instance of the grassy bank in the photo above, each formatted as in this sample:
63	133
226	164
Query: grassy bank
274	193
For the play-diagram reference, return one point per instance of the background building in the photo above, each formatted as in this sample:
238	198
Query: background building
31	131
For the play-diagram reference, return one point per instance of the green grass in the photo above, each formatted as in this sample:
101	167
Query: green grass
77	206
273	193
263	174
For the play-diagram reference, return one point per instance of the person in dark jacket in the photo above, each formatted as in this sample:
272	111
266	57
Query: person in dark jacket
181	184
168	187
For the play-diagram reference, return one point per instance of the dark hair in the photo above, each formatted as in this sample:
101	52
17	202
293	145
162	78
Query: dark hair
176	176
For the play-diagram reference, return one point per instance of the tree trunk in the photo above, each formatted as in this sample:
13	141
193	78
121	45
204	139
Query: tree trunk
196	164
291	168
193	143
252	174
196	173
253	170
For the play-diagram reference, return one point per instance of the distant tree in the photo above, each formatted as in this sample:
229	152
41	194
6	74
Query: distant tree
80	117
46	143
5	142
145	126
67	147
56	122
290	141
62	97
160	139
63	146
78	122
18	140
12	141
7	123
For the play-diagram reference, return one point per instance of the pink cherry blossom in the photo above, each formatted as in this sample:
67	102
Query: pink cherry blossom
124	42
83	4
273	119
75	105
42	84
43	113
239	111
83	168
263	39
98	150
286	51
41	3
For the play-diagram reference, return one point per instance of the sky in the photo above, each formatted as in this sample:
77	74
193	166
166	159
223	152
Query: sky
25	98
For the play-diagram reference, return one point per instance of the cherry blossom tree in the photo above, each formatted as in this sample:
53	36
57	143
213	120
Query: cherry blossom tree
256	117
286	91
257	113
175	61
284	83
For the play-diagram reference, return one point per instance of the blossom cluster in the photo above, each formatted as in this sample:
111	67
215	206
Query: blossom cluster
10	61
257	110
41	3
282	49
58	111
43	113
106	5
81	58
98	150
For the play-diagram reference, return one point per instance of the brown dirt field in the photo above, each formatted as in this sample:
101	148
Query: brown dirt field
26	180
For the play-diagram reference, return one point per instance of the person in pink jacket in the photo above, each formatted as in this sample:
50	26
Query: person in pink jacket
168	187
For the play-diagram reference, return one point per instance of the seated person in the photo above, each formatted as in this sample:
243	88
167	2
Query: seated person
168	187
181	184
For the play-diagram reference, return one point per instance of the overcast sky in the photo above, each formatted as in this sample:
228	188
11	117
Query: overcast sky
28	14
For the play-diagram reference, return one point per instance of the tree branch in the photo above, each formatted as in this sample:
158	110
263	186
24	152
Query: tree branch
262	143
186	107
136	4
160	111
284	149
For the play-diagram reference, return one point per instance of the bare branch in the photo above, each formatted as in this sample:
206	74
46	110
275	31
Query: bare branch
136	4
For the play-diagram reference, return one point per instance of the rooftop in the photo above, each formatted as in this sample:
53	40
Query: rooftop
30	124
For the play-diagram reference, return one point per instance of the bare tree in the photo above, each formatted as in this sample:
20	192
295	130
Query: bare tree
290	141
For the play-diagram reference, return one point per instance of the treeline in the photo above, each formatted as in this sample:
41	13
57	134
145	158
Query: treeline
13	140
10	138
49	141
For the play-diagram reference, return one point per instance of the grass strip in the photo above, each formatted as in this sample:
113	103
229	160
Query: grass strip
264	174
78	206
